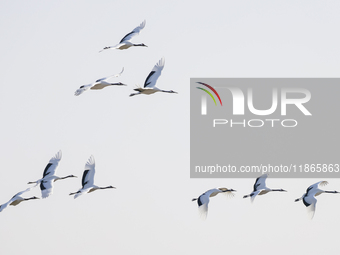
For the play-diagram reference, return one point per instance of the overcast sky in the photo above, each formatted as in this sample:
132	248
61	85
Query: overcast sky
141	144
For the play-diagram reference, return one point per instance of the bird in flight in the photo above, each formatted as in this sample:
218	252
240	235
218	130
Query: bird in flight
260	188
17	199
87	181
203	200
312	191
99	84
150	82
49	177
126	43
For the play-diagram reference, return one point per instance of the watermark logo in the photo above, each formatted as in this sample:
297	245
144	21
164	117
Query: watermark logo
242	104
265	125
204	98
238	102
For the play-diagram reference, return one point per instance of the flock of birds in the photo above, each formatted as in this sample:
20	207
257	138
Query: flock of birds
260	188
87	182
150	82
49	177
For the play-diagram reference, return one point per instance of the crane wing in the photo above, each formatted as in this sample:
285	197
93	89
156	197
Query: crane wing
3	206
260	182
46	187
151	80
88	175
111	76
203	201
310	203
82	89
253	195
133	33
315	186
51	167
22	192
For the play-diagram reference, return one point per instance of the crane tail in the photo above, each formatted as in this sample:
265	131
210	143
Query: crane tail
228	194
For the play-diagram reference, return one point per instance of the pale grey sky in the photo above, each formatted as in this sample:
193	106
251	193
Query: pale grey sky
141	144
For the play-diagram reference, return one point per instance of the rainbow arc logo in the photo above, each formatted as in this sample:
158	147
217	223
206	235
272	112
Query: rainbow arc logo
213	90
204	101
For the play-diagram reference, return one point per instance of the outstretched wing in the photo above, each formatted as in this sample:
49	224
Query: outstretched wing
253	195
46	187
82	89
88	175
315	186
3	206
22	192
108	77
81	192
310	203
151	80
133	33
260	182
203	201
51	167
